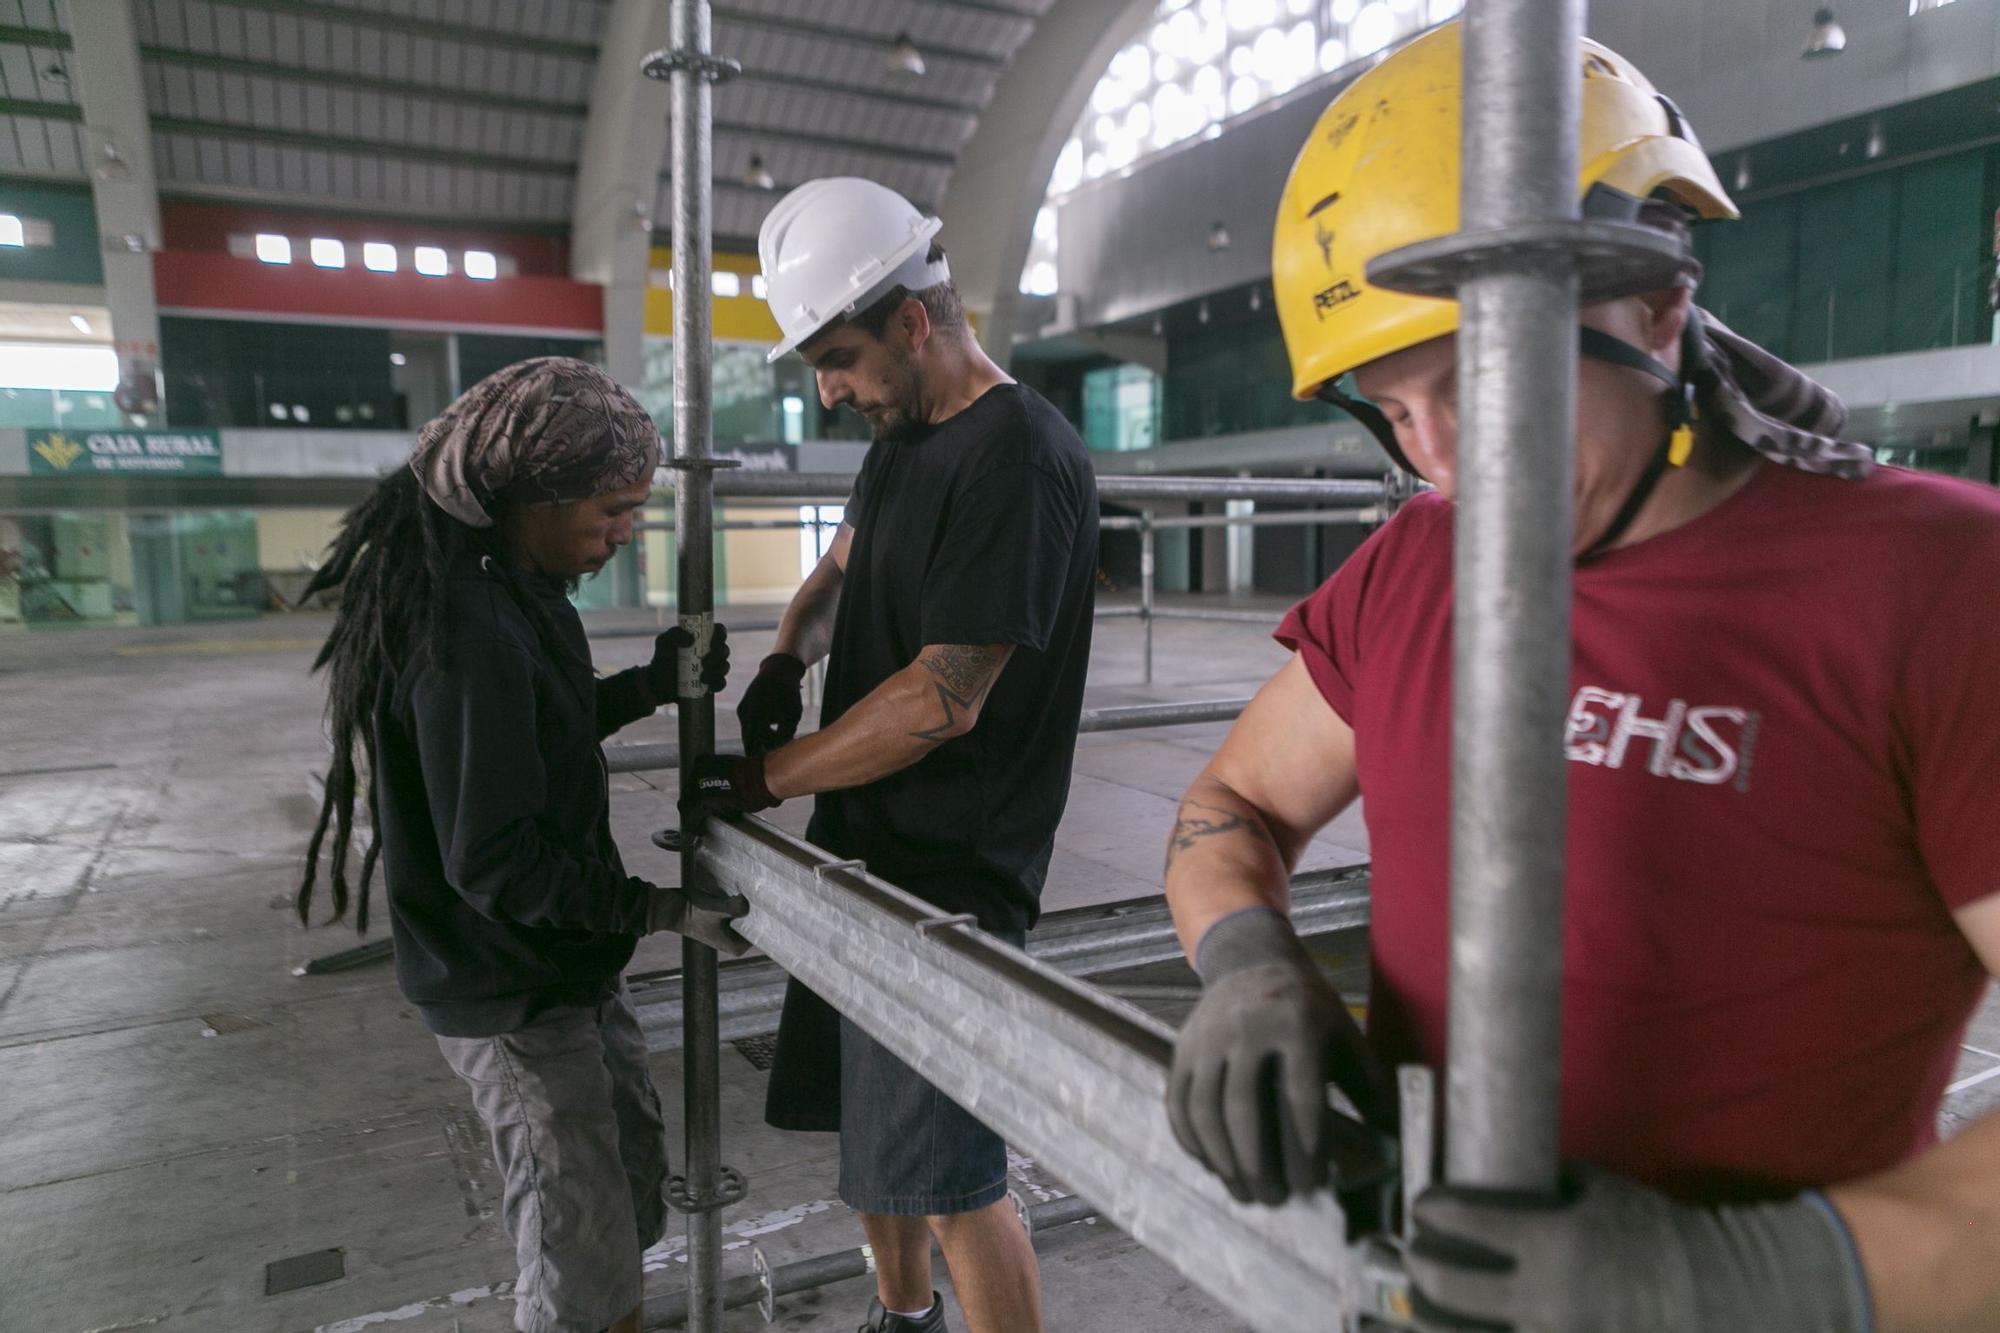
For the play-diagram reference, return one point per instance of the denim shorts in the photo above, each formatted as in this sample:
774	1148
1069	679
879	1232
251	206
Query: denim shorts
906	1149
582	1153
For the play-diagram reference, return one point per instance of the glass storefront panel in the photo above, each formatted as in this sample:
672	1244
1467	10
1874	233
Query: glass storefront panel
1121	408
754	399
64	569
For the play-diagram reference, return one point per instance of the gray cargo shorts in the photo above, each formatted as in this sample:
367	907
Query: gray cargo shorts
582	1153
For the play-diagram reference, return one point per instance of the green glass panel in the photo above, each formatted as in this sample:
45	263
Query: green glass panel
1942	268
1748	278
1844	261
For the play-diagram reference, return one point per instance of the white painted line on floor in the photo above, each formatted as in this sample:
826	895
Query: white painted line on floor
1973	1080
415	1308
1991	1055
673	1249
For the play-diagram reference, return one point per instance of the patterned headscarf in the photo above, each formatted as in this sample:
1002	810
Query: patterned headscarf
542	432
1774	407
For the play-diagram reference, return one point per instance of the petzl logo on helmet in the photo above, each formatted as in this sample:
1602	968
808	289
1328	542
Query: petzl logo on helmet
1328	299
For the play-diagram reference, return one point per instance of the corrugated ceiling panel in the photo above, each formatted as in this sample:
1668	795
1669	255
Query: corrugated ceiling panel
198	22
32	146
43	14
315	107
256	28
196	163
778	107
287	42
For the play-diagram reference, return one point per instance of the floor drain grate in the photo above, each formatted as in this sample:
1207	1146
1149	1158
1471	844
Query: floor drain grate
758	1050
304	1270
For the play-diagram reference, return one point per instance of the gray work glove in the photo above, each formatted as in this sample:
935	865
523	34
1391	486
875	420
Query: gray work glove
1247	1092
700	914
1611	1256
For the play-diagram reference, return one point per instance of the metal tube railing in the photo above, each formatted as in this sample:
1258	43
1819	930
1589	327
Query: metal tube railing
1071	1077
808	486
650	756
1283	518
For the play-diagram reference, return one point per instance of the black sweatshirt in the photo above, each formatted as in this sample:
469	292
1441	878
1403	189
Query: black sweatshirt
506	893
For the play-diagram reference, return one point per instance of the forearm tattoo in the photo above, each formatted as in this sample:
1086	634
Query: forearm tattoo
964	674
1196	821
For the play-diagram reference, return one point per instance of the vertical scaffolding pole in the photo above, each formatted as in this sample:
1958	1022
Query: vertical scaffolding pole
691	69
1517	265
1511	633
1147	545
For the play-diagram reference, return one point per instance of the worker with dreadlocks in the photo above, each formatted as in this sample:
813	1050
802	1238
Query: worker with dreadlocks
460	667
1784	749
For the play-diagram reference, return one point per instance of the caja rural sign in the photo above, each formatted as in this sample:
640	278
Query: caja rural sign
55	453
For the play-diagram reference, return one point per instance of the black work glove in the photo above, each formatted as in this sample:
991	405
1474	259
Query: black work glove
1247	1091
1611	1256
725	786
663	673
700	914
773	705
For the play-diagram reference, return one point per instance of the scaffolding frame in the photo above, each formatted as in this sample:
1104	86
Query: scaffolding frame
1074	1076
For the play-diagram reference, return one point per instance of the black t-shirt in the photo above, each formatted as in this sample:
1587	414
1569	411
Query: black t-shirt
982	530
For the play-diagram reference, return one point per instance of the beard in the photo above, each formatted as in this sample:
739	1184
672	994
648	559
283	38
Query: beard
899	417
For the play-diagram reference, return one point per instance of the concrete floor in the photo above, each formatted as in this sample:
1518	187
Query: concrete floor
181	1110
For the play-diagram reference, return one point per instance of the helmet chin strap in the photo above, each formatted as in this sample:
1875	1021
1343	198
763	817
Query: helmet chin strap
1673	451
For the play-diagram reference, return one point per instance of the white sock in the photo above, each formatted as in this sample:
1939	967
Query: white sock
914	1314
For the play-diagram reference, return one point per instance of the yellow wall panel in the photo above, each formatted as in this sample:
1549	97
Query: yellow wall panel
741	318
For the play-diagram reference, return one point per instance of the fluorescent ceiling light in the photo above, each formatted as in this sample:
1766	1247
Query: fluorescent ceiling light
58	366
11	231
726	284
481	264
432	262
378	256
327	253
273	249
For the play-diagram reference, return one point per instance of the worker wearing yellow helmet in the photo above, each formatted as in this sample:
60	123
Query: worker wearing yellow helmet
1784	743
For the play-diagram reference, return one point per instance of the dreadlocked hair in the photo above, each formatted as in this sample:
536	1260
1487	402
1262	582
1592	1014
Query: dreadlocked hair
392	563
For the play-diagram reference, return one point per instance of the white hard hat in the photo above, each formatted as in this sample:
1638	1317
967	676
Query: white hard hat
837	245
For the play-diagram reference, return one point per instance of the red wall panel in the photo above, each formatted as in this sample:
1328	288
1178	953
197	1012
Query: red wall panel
214	282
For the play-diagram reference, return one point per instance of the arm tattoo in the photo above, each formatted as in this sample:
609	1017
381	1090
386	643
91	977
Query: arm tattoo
965	673
1191	827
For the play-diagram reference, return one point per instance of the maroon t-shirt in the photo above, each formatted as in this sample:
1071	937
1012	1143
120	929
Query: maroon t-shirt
1785	743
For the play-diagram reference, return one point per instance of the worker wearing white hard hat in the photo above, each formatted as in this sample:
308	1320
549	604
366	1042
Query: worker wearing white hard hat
954	612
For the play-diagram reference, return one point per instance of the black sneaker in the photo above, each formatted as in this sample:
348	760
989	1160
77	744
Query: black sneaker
881	1321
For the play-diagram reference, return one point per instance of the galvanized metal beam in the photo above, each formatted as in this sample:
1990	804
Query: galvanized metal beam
1081	942
647	757
1069	1076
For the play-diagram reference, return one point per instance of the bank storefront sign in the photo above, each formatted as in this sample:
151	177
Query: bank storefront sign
184	453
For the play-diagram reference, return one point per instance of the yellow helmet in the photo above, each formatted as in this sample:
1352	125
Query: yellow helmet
1381	171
